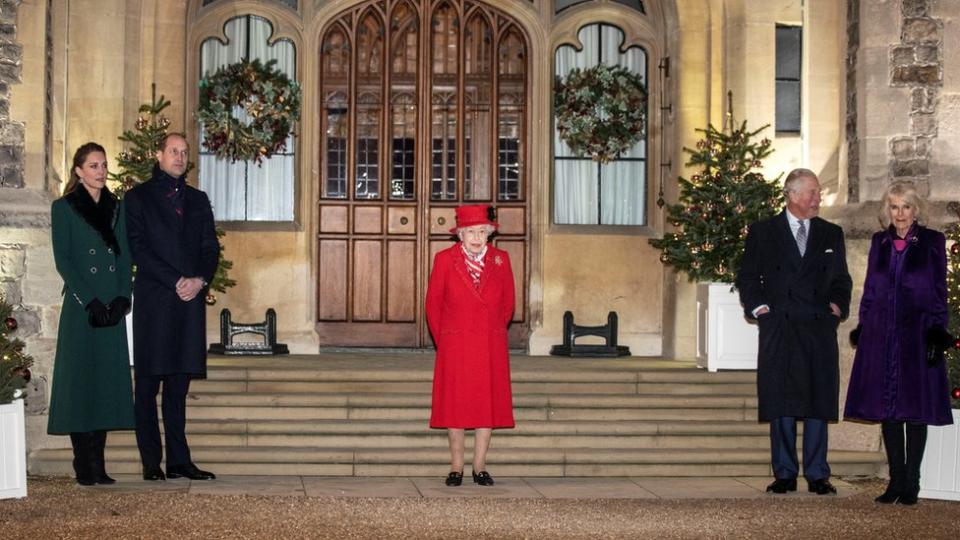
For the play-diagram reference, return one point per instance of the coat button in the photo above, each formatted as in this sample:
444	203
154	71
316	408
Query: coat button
93	269
93	251
112	268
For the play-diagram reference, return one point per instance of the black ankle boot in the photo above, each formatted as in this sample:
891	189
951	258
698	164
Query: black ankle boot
916	442
97	445
893	444
82	462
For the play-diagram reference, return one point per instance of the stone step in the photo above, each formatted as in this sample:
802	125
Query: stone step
532	401
355	427
232	412
336	461
424	387
438	438
367	414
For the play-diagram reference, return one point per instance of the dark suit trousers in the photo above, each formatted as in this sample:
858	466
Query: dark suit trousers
783	448
175	388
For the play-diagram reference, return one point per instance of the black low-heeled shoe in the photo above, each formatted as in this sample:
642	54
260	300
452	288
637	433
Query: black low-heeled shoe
482	478
455	478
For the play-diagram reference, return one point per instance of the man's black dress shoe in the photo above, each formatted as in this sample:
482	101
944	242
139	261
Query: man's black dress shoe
86	480
782	485
153	472
482	478
454	478
189	471
821	487
103	479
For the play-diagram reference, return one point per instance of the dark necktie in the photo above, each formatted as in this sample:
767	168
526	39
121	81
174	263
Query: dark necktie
802	238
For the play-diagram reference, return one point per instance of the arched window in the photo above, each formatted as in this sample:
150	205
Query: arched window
245	191
586	192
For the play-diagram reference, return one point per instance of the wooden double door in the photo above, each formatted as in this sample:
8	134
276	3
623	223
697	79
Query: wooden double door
423	108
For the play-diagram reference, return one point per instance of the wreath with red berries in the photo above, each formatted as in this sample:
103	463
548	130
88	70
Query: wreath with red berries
248	110
600	111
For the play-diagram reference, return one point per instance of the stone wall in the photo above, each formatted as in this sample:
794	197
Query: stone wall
853	47
28	277
916	63
11	133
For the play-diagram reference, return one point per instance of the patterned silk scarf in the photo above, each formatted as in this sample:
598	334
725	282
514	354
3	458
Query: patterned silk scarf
474	264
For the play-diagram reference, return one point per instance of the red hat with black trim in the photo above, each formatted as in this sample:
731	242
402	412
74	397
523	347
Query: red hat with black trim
474	214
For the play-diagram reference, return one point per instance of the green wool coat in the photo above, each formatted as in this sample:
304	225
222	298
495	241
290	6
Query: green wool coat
91	376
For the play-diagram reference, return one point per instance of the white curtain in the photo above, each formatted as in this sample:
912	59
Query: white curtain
585	193
243	191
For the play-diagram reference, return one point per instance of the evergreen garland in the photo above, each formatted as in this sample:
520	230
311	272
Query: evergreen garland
718	204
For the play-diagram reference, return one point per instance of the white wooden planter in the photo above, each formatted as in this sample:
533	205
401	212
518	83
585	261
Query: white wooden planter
13	451
725	340
940	471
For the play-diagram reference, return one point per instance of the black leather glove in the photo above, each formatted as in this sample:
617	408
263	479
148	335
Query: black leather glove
855	336
118	308
97	314
938	341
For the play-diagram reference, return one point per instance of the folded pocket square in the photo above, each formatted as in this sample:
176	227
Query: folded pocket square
828	250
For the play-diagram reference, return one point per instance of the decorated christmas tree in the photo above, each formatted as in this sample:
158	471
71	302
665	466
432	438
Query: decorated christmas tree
135	165
14	363
953	304
136	162
718	203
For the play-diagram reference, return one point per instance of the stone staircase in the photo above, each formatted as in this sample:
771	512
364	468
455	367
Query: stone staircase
354	414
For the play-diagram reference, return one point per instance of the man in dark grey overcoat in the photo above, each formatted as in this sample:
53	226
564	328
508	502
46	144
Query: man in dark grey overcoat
794	281
174	246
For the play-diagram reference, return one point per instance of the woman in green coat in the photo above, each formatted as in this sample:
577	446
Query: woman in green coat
92	392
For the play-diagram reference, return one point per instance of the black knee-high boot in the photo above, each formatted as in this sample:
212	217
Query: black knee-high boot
82	460
916	442
98	442
893	443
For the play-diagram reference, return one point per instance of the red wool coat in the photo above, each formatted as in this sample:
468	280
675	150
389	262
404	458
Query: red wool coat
471	376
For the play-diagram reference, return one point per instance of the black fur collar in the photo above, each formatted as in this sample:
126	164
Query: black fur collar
102	216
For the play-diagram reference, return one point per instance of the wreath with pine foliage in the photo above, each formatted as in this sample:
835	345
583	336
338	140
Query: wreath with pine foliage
601	111
269	99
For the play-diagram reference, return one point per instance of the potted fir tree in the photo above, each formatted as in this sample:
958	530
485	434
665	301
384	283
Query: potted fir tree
14	374
940	472
716	205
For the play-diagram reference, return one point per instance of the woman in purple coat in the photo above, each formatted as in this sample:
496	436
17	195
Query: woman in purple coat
899	378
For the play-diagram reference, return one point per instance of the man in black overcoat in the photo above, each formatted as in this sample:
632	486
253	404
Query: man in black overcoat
794	281
174	246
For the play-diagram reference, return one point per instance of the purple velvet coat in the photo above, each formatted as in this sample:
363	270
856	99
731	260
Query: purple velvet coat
904	295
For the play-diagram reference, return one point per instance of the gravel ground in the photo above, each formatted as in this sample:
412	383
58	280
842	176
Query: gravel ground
57	508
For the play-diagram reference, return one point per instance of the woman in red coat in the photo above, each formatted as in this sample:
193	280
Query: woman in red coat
470	301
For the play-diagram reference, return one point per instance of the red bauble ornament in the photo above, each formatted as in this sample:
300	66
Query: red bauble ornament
25	373
211	299
955	248
956	344
11	323
955	393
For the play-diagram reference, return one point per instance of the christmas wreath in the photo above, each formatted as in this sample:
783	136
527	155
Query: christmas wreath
270	104
601	111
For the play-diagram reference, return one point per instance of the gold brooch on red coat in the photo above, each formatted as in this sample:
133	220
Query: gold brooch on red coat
497	260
